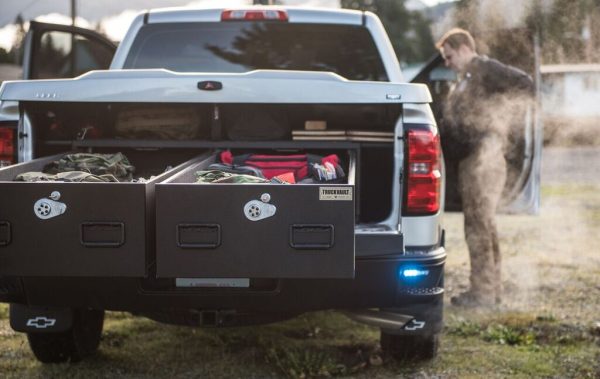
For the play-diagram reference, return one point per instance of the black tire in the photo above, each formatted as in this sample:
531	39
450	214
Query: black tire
414	348
73	345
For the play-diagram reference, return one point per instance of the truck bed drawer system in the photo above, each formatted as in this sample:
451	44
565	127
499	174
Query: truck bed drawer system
180	228
254	230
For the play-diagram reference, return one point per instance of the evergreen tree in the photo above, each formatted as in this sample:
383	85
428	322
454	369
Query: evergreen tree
409	32
569	30
16	52
466	15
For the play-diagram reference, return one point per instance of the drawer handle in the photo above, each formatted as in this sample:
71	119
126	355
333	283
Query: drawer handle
312	236
198	236
102	234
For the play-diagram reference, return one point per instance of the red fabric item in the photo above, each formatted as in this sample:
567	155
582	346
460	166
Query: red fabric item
271	169
274	165
333	159
227	157
288	177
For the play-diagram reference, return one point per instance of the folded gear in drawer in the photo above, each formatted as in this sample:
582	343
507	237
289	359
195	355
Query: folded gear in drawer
273	168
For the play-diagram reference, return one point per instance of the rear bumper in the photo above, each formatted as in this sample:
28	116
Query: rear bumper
378	283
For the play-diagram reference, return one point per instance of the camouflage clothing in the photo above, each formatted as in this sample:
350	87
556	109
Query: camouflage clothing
215	176
82	167
482	110
70	176
116	165
168	122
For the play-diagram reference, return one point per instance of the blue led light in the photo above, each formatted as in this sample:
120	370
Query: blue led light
414	273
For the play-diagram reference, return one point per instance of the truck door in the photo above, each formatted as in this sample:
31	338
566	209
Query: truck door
50	52
60	51
522	190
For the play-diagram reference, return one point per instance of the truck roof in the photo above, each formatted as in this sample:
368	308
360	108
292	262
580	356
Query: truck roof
295	14
299	15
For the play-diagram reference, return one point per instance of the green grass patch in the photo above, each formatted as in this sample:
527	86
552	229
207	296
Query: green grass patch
506	335
522	329
561	190
305	363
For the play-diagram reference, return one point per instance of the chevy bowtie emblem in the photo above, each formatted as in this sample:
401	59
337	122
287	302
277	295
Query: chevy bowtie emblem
210	85
41	322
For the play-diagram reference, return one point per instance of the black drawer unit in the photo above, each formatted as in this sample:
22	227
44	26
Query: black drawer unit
254	230
75	229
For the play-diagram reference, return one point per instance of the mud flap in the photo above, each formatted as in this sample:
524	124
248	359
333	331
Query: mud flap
40	319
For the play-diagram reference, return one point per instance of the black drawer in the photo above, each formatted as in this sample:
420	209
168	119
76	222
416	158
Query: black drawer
253	230
74	229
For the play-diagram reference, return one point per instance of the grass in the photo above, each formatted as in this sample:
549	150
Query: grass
322	344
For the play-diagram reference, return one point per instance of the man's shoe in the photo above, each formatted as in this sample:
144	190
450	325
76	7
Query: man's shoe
469	300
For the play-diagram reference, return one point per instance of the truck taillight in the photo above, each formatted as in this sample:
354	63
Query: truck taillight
424	176
7	146
254	15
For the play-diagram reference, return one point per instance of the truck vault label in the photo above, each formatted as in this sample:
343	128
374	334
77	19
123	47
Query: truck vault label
335	193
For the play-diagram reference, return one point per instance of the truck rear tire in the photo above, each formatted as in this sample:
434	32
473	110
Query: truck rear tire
405	347
74	344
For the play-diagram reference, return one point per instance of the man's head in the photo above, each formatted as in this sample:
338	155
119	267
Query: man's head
458	49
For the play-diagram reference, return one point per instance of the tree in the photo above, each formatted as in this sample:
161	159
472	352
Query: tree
5	57
16	52
409	32
570	31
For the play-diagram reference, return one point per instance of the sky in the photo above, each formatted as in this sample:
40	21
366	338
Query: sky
116	15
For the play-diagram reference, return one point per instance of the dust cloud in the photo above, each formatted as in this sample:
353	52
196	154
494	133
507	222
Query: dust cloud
549	260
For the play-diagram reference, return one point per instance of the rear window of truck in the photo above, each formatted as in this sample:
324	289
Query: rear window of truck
236	47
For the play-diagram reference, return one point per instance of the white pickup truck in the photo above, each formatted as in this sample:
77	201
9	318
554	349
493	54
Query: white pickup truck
223	254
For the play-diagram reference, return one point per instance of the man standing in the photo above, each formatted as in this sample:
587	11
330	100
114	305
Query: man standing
485	103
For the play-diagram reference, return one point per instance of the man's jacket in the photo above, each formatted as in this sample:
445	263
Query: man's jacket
489	98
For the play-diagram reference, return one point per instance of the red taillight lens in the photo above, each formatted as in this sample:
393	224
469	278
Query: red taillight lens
254	15
7	146
424	176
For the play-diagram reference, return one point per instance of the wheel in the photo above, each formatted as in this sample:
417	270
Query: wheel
73	345
405	347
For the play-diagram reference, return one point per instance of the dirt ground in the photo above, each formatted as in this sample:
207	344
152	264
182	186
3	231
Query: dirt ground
548	326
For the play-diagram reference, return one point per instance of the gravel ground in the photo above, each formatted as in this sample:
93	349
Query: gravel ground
564	165
550	260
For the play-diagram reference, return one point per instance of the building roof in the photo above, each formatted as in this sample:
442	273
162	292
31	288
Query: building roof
569	68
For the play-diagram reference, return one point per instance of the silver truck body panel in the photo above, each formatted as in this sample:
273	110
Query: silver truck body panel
421	230
418	114
123	48
382	41
261	86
